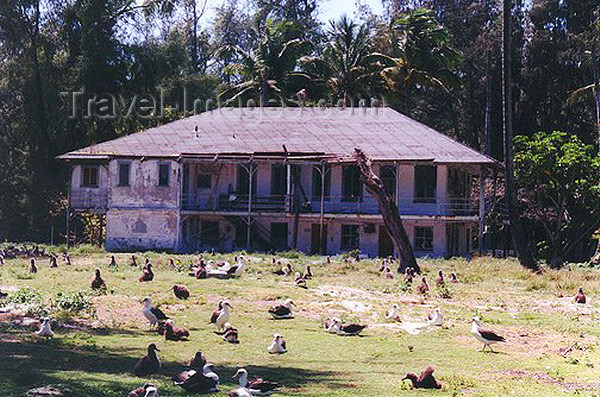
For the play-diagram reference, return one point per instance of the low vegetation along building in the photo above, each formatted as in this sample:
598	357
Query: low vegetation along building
277	179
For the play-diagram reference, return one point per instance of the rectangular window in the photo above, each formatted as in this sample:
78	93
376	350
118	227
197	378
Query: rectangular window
89	176
164	174
425	184
423	238
387	174
316	183
209	231
351	184
124	168
243	179
204	181
350	237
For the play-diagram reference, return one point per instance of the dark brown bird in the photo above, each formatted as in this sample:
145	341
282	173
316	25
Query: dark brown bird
3	295
425	380
453	278
198	361
580	297
440	280
172	263
32	266
307	273
132	261
423	288
149	364
175	333
200	272
147	274
67	259
113	261
328	260
97	281
53	261
145	391
215	314
181	291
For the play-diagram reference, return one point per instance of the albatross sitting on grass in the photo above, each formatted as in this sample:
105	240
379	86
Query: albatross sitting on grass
283	311
425	380
149	364
257	386
194	381
393	313
45	328
485	336
148	390
580	297
349	329
278	345
436	318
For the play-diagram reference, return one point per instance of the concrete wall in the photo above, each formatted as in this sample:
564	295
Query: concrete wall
143	190
129	229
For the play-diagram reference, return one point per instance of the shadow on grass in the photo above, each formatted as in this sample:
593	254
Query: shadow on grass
88	371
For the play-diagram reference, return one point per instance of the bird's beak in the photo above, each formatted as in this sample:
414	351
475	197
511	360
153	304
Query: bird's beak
405	378
157	349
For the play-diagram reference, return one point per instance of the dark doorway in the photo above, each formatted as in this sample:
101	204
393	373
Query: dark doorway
279	236
452	240
278	182
318	245
386	245
243	181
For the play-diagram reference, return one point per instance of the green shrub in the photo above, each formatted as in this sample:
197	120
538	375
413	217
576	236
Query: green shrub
72	303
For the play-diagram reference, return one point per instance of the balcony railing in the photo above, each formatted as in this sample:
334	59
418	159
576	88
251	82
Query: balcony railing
89	199
364	205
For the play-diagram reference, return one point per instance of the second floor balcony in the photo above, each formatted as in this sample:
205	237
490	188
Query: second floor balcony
359	205
92	199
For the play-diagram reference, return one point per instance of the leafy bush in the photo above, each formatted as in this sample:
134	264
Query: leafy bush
443	291
292	254
73	303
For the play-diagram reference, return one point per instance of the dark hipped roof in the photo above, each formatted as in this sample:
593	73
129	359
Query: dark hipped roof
382	133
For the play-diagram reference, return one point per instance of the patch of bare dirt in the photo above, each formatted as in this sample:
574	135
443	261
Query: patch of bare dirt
547	379
118	310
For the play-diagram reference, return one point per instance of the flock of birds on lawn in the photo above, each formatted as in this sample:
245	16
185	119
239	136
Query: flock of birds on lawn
200	376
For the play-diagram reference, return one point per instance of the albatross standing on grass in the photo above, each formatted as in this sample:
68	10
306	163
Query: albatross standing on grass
223	316
485	336
152	314
283	311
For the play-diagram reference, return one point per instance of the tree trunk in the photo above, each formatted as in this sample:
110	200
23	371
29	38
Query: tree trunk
389	212
518	234
596	257
596	94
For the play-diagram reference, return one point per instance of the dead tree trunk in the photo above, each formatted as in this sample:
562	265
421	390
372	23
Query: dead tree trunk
389	212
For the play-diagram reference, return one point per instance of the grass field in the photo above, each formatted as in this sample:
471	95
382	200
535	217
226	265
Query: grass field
95	349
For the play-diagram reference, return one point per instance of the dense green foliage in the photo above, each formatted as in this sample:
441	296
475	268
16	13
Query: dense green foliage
559	178
431	59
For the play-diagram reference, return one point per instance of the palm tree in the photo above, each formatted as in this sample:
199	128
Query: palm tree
266	70
423	55
348	66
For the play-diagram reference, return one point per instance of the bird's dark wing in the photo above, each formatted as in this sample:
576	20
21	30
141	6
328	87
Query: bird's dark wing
426	373
283	344
159	314
139	392
490	335
181	377
141	367
215	315
279	310
353	328
263	385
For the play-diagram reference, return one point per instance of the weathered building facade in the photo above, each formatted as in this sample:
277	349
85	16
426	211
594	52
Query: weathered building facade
276	179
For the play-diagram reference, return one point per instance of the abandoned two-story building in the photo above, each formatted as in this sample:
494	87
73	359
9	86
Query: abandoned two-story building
277	179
